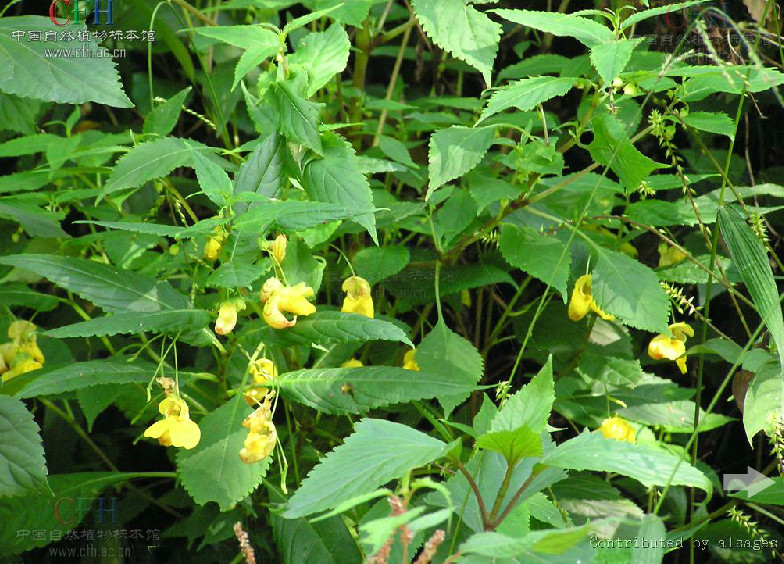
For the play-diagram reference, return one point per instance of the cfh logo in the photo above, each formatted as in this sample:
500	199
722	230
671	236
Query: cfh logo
68	510
74	4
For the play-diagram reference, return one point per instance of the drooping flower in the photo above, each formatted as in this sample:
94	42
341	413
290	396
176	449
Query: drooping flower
352	363
672	348
21	330
227	317
278	248
582	301
670	255
176	428
279	299
358	298
262	434
22	354
213	248
619	429
409	361
263	370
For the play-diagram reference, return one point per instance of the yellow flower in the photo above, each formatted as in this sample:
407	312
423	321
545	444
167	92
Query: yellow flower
352	363
22	354
409	362
582	301
20	330
227	318
262	434
670	255
618	429
279	299
7	352
176	429
672	348
278	248
358	299
263	371
21	367
31	350
213	248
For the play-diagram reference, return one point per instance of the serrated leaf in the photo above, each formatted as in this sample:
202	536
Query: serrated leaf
168	321
79	375
539	255
648	465
298	117
22	464
242	36
587	32
292	215
301	541
21	295
213	180
113	289
455	151
29	72
457	27
630	290
530	406
713	122
95	399
446	353
526	94
512	444
653	12
764	402
352	13
162	120
387	451
236	275
357	390
375	264
213	469
560	546
610	58
323	55
262	172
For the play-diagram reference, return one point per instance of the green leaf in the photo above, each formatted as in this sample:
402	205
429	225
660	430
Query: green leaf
447	354
455	151
323	55
162	120
751	259
457	27
95	399
242	36
539	255
512	444
79	375
291	214
713	122
586	31
648	465
386	450
113	289
262	172
357	390
673	416
351	13
168	321
298	117
630	290
29	72
764	402
213	180
213	469
526	94
375	264
22	464
251	59
530	406
610	58
236	275
537	547
650	533
396	150
336	179
21	295
301	541
34	220
653	12
611	147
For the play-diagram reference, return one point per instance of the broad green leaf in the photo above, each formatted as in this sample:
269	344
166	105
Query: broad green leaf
302	21
336	179
21	295
167	321
630	290
22	464
673	417
375	264
445	353
351	13
512	444
34	220
537	547
79	375
203	227
357	390
162	120
396	150
713	122
587	32
611	147
29	72
113	289
262	172
301	541
539	255
526	94
485	190
292	214
95	399
242	36
653	12
236	275
648	465
650	533
455	151
251	59
751	259
764	401
457	27
530	406
213	469
610	58
453	219
213	180
323	55
386	450
298	117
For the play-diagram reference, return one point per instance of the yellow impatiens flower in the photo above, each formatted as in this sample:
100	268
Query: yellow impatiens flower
227	316
352	363
279	299
262	434
213	248
358	298
409	362
618	429
263	371
176	429
22	354
582	300
278	248
670	255
672	348
21	330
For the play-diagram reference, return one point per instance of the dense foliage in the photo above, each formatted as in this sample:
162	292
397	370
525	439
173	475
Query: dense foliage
391	281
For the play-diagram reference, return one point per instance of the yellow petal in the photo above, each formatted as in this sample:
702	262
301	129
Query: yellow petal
8	351
581	301
31	350
227	318
670	255
212	248
173	406
157	429
681	331
294	299
362	305
618	429
662	346
270	287
278	248
356	286
352	363
274	316
409	361
681	362
20	330
185	433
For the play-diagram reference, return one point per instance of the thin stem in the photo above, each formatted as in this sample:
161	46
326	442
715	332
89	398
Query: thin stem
479	499
392	81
